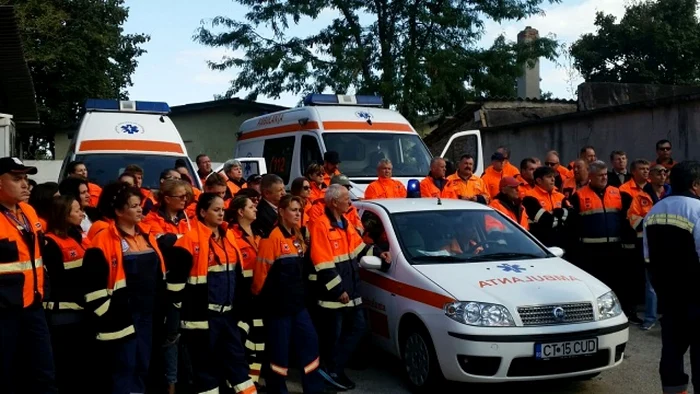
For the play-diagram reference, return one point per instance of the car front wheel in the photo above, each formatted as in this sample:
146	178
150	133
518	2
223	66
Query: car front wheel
420	361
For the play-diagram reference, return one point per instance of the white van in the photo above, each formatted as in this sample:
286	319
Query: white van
354	126
114	134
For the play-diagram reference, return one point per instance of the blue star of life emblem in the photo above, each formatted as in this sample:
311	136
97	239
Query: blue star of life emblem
363	115
130	128
511	268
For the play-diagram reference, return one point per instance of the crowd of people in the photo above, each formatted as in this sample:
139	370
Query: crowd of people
120	288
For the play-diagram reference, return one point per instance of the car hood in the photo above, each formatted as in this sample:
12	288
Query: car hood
515	283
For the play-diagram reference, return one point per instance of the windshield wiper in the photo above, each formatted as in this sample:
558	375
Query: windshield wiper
440	259
504	256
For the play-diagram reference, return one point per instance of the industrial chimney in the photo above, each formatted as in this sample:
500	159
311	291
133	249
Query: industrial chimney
529	82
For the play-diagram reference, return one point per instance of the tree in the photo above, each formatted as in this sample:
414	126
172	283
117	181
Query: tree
656	42
75	49
566	62
420	55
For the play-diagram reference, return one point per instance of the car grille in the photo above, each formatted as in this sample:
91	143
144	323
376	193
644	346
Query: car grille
540	315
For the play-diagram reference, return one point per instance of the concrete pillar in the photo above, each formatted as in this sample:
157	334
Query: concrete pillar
529	82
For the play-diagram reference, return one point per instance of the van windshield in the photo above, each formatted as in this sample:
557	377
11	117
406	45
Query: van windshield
360	153
104	168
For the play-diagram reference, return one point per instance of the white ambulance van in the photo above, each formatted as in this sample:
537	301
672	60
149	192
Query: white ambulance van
357	127
114	134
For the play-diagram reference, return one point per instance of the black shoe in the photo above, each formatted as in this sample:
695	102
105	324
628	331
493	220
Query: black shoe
332	379
634	319
345	381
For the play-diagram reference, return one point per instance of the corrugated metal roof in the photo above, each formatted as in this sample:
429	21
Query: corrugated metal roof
17	95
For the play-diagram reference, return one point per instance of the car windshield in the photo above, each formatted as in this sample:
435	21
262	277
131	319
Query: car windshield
463	236
106	168
360	153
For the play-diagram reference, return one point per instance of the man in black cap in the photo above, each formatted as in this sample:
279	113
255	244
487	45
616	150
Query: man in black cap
331	159
26	360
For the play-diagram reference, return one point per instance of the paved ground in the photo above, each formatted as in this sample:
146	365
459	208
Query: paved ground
638	374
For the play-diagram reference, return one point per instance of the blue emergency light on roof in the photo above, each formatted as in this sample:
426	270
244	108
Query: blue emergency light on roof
341	99
151	107
413	188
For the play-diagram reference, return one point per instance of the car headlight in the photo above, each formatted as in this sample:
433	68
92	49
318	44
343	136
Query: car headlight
481	314
608	306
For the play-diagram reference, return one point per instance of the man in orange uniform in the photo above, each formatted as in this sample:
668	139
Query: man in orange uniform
508	201
578	179
597	219
25	348
384	186
466	185
331	159
78	169
664	155
546	208
435	184
526	177
493	174
563	173
587	153
508	168
318	207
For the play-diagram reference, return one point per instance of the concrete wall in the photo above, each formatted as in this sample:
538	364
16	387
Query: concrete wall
634	131
211	131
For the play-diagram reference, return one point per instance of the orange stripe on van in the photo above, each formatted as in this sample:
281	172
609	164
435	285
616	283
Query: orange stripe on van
375	126
290	128
407	291
146	146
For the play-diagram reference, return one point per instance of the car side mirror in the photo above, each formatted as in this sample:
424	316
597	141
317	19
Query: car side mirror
557	251
371	262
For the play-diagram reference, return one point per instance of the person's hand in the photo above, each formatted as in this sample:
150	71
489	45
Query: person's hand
478	250
344	298
386	256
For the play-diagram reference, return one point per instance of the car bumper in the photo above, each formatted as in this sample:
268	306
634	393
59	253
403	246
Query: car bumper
470	357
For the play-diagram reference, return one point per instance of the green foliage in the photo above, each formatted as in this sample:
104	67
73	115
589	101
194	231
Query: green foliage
656	42
76	49
420	55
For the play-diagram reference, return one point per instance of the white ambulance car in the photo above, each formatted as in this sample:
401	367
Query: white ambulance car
465	303
114	134
354	126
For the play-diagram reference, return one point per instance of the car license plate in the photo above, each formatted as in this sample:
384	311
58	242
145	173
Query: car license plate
580	347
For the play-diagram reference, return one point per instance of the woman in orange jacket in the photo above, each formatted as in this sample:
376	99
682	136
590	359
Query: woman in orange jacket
205	277
124	280
71	334
301	187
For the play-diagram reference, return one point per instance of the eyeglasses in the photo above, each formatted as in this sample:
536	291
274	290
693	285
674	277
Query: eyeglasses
550	163
300	249
664	148
182	197
317	174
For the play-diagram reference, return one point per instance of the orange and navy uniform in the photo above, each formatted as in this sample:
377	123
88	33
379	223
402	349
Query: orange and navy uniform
63	258
640	207
95	191
570	186
337	247
429	189
468	188
21	263
234	187
98	226
599	215
515	212
628	192
385	188
106	276
167	230
319	206
548	213
205	279
327	177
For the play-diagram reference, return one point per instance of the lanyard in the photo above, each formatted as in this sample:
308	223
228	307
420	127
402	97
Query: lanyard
21	226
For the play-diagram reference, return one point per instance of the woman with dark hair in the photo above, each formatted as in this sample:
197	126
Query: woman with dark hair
279	280
124	276
314	173
301	187
243	212
205	276
71	335
78	188
41	198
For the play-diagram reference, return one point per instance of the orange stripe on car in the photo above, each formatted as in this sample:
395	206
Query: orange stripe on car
407	291
365	126
114	145
290	128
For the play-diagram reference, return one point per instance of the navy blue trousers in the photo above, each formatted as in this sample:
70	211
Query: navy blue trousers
678	335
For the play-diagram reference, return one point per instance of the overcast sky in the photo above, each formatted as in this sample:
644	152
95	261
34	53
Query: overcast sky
175	70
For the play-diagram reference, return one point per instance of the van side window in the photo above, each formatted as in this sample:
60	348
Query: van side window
278	156
310	152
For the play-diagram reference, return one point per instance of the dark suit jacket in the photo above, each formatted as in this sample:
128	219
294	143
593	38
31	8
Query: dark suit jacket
614	180
265	220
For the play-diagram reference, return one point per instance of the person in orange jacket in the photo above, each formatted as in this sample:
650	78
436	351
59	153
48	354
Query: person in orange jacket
205	277
124	284
508	168
71	333
319	207
384	186
25	348
435	185
508	202
493	173
233	170
314	173
546	209
331	160
526	177
578	178
78	169
466	185
301	187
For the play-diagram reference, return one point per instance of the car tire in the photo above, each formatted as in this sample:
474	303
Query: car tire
420	361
